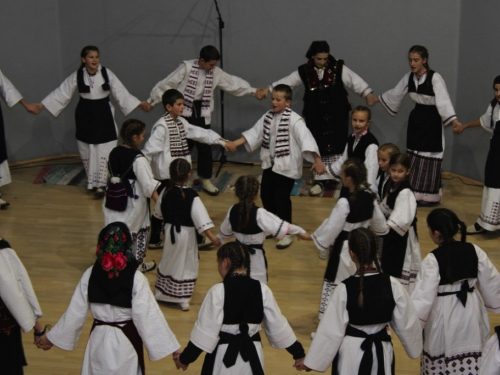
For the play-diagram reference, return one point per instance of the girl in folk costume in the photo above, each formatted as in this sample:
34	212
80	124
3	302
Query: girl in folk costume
184	214
425	136
489	363
452	313
357	210
125	313
19	309
489	219
384	154
231	318
249	224
169	141
361	145
326	107
400	248
133	169
96	132
354	330
11	97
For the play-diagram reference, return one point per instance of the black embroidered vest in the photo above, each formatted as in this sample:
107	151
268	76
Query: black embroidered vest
252	227
463	259
176	209
83	88
360	150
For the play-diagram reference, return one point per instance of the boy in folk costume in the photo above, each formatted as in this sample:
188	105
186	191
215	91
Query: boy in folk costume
169	141
285	141
197	80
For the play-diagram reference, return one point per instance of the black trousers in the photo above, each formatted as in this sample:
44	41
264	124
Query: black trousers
204	161
275	194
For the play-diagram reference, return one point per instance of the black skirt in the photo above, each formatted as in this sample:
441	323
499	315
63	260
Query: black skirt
12	352
491	175
94	121
425	129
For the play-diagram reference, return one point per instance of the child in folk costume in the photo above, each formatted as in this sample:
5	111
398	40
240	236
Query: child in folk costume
357	210
452	313
249	224
354	330
425	136
11	97
128	162
96	131
489	219
361	145
384	154
184	214
400	248
197	80
489	363
285	142
19	309
326	106
125	313
230	320
169	141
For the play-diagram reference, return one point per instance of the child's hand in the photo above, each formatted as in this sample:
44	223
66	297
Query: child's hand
33	107
145	106
304	236
319	167
262	93
179	364
43	343
230	146
371	99
458	128
217	242
299	365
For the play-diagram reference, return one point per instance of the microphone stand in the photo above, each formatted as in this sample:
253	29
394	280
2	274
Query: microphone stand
223	159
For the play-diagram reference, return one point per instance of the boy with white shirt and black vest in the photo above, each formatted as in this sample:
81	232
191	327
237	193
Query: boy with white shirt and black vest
285	142
197	80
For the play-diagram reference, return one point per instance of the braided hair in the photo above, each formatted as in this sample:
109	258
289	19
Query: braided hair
179	172
402	159
130	128
356	170
422	51
238	256
364	244
447	223
246	189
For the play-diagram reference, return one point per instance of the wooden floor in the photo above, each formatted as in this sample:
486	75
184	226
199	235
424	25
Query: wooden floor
54	231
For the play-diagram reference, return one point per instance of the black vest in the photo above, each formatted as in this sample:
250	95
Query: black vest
252	227
242	300
463	260
360	150
176	209
83	88
391	198
120	160
424	88
378	300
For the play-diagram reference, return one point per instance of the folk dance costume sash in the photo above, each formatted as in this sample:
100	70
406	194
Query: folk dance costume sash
282	146
177	135
130	331
461	294
190	91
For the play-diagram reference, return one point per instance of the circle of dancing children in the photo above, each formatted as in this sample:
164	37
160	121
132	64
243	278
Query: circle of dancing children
489	219
231	317
126	315
453	314
353	333
19	310
197	80
11	96
400	248
249	224
96	132
132	174
358	209
184	215
425	135
285	141
168	141
326	106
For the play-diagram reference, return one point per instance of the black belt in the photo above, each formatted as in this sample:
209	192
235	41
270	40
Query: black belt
237	344
461	294
365	367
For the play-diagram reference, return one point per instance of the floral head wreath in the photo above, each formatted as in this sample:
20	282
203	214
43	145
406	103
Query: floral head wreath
114	249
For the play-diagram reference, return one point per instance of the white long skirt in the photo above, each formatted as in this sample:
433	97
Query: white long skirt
95	160
4	173
490	209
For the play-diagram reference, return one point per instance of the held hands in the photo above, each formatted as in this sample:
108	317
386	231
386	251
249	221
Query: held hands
261	93
145	106
304	236
34	108
371	99
458	128
230	146
178	363
299	365
318	167
42	342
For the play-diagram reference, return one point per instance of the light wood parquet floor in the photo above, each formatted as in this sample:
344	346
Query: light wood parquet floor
54	230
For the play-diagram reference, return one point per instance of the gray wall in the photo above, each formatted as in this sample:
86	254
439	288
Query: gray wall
263	41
